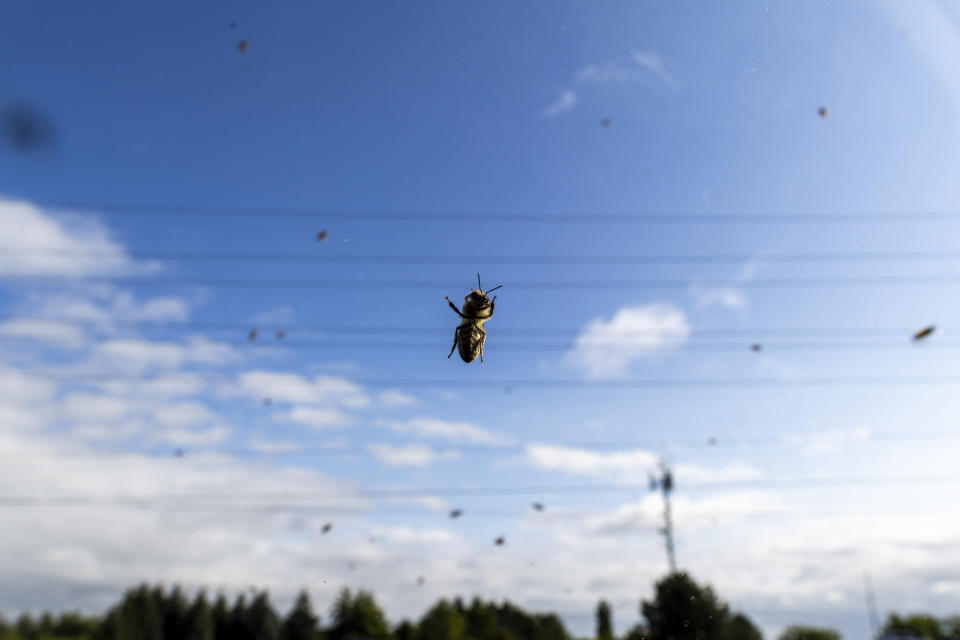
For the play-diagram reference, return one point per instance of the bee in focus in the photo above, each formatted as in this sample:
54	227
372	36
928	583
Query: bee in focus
470	336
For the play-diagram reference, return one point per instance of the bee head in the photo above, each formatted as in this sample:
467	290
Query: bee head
476	297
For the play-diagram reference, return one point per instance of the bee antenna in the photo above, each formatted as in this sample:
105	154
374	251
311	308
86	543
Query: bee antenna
499	286
479	286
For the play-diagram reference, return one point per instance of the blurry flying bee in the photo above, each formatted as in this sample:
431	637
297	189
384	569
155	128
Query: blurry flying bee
499	541
925	332
823	112
253	334
322	235
420	579
326	528
242	46
280	333
456	513
756	348
537	506
470	336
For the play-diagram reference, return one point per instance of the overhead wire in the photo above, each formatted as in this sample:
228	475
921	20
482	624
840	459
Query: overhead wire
487	217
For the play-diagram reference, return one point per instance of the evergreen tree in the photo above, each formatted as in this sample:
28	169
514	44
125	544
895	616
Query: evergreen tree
301	623
683	610
739	627
199	623
139	616
174	609
220	616
26	628
798	632
442	622
481	621
407	631
918	625
356	617
604	624
262	619
237	625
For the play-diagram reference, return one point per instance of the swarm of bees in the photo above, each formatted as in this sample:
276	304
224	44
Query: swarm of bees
470	336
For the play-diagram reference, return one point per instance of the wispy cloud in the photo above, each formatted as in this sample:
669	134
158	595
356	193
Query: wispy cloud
608	347
409	456
453	431
567	101
729	297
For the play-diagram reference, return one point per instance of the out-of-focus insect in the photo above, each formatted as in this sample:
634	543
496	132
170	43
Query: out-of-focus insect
924	333
499	541
756	348
606	122
470	336
242	46
178	453
537	506
267	402
456	513
823	112
280	333
326	528
253	334
421	579
322	235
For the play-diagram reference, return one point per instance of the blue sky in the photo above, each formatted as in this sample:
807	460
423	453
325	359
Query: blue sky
472	111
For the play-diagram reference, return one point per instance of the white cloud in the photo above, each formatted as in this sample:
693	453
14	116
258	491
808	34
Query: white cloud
628	465
653	63
62	245
729	297
608	347
184	414
289	387
640	66
318	418
454	431
138	354
46	331
274	447
193	437
567	101
393	398
409	456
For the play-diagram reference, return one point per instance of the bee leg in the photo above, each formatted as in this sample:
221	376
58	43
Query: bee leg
483	338
454	307
456	338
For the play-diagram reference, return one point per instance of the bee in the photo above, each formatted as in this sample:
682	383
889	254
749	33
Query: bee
470	336
924	333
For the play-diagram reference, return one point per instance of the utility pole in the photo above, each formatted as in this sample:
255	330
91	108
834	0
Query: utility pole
664	482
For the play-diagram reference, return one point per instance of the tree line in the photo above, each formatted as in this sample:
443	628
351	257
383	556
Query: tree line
680	609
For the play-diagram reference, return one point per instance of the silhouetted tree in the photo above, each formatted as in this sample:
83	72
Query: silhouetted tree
356	617
405	631
683	610
173	609
220	617
262	620
739	627
798	632
604	625
199	623
481	620
441	622
301	623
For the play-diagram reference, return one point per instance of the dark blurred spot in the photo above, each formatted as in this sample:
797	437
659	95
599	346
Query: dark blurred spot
26	128
280	333
242	46
322	235
712	442
420	579
756	348
456	513
326	528
267	402
178	453
822	112
253	334
606	122
537	506
924	333
233	25
499	541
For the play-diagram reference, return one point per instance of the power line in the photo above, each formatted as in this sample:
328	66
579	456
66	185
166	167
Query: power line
318	213
519	285
845	333
531	383
224	498
350	258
